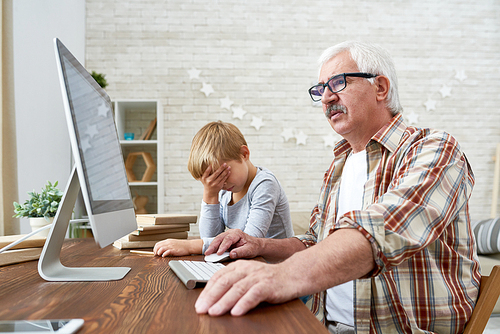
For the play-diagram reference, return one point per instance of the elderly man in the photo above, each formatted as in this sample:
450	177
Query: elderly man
390	248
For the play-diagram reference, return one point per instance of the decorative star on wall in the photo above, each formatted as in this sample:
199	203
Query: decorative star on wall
430	105
226	103
207	89
238	112
301	138
194	73
85	144
287	134
92	130
330	140
460	76
445	91
257	122
102	110
412	118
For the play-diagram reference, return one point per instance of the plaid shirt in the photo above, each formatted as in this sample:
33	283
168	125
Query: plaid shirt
416	216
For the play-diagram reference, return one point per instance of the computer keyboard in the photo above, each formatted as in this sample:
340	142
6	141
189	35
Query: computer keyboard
193	272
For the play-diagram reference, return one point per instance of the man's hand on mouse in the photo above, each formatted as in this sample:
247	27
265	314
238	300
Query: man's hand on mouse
240	244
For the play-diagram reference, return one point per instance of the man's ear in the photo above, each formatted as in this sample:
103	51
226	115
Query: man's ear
382	85
245	152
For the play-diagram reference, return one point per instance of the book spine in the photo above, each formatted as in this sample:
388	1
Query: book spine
123	243
157	237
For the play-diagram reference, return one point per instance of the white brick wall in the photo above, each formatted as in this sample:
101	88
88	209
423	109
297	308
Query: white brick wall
262	55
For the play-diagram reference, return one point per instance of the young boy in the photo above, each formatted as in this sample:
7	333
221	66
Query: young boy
236	194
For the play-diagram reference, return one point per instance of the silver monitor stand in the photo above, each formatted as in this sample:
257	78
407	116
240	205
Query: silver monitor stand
50	267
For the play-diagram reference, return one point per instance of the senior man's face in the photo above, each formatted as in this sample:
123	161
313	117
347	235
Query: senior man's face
347	111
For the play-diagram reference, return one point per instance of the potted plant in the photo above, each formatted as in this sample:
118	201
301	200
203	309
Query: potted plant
40	208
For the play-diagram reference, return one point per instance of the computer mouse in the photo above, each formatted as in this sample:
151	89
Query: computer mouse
217	258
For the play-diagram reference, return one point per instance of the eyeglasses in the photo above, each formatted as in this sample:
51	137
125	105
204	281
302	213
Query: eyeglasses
335	84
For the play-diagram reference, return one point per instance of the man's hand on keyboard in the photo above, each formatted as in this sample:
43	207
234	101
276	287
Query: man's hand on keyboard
241	286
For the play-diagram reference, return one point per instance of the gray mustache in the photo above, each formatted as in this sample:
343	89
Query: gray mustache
335	108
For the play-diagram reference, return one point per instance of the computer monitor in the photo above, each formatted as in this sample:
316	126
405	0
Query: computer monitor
99	172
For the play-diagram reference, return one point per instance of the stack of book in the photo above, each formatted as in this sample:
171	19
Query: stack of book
156	227
28	250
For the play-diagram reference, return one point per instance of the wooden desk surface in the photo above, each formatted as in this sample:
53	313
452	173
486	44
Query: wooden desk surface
150	299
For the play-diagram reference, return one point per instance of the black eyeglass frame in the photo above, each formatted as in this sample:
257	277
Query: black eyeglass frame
326	84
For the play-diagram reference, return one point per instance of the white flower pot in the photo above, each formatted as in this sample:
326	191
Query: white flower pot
39	222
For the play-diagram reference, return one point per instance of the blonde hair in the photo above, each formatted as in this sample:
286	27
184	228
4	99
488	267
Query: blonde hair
214	143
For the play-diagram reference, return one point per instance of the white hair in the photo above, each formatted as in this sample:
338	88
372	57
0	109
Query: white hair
369	58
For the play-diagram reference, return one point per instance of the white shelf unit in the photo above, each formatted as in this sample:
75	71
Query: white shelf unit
135	116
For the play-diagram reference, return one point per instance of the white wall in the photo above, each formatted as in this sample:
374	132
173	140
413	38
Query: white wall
262	55
43	148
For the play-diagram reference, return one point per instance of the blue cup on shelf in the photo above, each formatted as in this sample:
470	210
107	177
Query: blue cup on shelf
128	135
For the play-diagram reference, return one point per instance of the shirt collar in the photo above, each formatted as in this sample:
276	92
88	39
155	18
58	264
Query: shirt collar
388	136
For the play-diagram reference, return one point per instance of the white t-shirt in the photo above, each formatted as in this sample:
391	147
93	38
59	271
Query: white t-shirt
339	299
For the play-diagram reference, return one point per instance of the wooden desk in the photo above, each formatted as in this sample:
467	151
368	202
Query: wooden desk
150	299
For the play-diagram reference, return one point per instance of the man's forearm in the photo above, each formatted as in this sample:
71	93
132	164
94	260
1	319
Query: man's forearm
343	256
244	246
277	250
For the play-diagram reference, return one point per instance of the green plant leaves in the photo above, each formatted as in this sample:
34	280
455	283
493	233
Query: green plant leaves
100	79
43	204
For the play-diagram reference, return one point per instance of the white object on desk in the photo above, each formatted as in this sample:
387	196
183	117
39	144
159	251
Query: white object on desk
193	272
214	257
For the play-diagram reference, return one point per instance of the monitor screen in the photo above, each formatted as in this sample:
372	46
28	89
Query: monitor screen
97	139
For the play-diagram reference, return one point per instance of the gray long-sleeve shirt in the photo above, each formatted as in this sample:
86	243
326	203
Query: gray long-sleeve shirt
262	212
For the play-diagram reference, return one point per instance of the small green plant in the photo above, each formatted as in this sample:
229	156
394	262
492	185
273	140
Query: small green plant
42	204
100	79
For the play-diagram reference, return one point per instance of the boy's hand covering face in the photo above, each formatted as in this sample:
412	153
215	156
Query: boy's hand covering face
214	182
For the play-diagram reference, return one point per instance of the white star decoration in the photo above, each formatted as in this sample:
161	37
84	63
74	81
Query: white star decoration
256	123
287	134
460	76
430	105
238	112
445	91
92	130
194	73
85	144
412	118
207	89
226	103
329	140
301	138
102	110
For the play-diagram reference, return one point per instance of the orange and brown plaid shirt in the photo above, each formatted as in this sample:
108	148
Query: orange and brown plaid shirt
416	216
